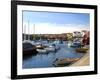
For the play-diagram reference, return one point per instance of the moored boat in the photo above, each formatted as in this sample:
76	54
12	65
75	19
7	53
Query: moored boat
65	61
52	48
42	51
49	49
81	50
28	49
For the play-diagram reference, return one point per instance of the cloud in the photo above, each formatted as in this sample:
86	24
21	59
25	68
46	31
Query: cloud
48	28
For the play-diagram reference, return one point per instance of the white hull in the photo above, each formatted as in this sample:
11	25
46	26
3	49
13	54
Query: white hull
50	49
42	50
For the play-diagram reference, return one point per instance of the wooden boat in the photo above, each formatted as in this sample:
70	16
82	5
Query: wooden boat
81	50
65	61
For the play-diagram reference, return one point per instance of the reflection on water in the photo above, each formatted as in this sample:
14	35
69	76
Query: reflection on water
46	59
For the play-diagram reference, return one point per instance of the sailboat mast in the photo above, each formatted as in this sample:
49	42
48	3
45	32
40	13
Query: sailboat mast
28	31
34	31
24	32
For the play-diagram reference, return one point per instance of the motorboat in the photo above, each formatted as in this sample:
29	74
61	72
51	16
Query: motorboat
52	47
40	46
76	44
42	51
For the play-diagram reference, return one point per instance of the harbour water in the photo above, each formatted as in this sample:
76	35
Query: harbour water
44	60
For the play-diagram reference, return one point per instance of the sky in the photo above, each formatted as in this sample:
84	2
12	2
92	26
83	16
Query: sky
54	22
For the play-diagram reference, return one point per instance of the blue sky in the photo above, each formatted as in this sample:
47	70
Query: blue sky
57	19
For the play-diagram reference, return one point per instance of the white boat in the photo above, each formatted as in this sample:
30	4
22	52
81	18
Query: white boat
50	48
58	42
39	47
69	44
41	50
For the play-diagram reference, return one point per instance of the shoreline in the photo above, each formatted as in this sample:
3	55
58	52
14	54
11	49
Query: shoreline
84	61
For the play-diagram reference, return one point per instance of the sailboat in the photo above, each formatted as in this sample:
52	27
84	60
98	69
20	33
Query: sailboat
28	47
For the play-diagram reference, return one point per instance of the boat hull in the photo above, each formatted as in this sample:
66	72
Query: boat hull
41	51
65	61
29	52
81	50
